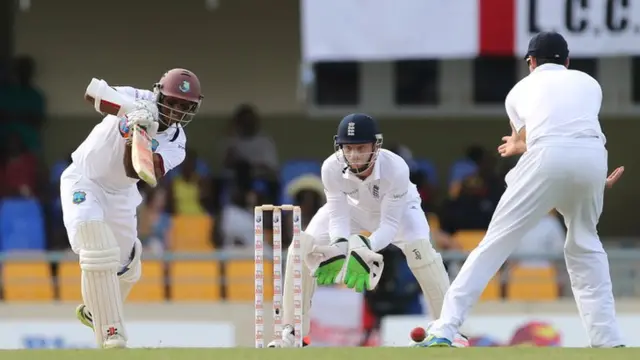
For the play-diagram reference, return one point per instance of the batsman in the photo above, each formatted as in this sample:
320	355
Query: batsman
99	196
368	191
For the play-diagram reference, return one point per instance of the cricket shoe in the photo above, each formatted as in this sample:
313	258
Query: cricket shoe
115	341
288	339
459	341
433	341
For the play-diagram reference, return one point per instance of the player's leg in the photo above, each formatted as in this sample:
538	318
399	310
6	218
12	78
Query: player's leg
92	239
587	262
530	194
316	233
128	276
425	263
120	215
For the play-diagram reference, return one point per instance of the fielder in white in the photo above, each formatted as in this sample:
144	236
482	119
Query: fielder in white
554	116
367	190
99	197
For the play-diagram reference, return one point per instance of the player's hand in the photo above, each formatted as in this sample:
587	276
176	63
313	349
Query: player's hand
512	146
326	261
364	266
615	176
143	118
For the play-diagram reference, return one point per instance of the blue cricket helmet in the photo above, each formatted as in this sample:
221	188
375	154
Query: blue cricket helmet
357	129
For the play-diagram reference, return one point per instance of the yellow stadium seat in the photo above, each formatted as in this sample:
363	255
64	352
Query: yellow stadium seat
532	284
192	233
493	290
194	280
240	275
27	281
69	281
150	288
469	239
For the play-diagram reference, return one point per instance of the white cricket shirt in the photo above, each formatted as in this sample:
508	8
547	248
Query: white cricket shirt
556	102
100	156
380	198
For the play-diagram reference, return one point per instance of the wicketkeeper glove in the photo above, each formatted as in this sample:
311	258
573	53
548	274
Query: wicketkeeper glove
326	261
364	266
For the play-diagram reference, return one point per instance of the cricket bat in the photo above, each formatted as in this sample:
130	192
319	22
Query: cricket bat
107	100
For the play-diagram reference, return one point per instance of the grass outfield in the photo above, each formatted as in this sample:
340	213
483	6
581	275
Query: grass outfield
327	354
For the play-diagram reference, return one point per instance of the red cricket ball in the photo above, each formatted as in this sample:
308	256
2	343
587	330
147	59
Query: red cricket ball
418	334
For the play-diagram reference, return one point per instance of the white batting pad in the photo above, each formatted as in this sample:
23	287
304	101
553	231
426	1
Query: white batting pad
100	262
427	267
308	285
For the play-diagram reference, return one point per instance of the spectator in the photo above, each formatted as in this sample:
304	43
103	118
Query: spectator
308	193
237	217
249	146
20	169
188	191
471	210
24	104
154	223
474	158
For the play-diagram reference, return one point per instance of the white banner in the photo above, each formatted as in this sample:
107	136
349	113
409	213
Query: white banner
507	330
388	29
31	334
592	28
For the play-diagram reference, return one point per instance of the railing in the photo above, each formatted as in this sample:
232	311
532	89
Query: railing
245	254
624	267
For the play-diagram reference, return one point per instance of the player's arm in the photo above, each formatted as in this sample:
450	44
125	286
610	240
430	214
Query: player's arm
518	131
339	217
135	94
170	155
393	207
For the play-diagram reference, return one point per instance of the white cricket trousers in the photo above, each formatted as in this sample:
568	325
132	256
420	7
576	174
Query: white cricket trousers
568	175
117	209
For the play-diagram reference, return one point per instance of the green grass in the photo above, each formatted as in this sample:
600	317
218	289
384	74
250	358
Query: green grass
327	354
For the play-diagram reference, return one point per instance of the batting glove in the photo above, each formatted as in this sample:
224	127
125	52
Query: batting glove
151	106
143	118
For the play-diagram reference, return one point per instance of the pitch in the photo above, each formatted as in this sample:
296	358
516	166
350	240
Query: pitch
327	354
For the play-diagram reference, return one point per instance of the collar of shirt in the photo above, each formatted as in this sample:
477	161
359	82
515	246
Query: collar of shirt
170	133
545	67
375	174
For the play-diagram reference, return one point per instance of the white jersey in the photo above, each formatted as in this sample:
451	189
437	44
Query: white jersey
100	157
383	196
555	102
